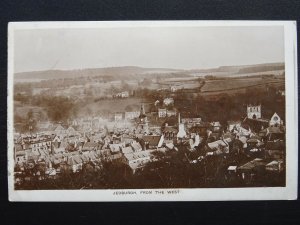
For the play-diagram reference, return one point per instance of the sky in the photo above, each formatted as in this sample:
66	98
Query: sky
151	47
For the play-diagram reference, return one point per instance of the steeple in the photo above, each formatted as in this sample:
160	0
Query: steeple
143	126
181	131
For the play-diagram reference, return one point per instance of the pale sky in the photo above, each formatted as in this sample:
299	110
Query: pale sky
155	47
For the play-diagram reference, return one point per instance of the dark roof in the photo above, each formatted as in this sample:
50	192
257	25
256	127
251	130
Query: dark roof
228	135
275	145
170	129
151	139
253	164
275	130
90	145
254	124
18	147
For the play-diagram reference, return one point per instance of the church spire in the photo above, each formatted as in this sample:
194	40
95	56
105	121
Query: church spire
142	109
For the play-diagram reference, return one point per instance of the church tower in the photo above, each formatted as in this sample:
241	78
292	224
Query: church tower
143	125
181	131
254	112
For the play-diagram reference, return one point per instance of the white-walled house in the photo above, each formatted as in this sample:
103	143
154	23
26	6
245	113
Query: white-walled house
275	120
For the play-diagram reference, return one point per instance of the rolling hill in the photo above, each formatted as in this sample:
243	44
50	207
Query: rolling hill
109	71
131	72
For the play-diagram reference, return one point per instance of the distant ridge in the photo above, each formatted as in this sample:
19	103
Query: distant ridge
244	68
107	71
127	72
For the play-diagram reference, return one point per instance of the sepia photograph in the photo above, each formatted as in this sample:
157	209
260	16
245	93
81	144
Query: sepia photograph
152	111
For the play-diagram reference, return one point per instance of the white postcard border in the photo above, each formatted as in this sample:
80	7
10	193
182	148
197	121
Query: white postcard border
196	194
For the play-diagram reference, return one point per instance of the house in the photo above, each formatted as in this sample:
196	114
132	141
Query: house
171	113
56	159
85	157
20	157
152	141
71	131
196	142
215	126
191	122
45	126
218	147
86	124
233	125
281	92
104	154
254	141
273	133
97	137
136	146
242	131
118	116
168	101
232	169
137	160
275	166
201	129
176	88
229	137
162	113
93	156
170	132
275	120
44	154
127	150
124	94
132	115
58	150
250	169
275	149
127	139
60	130
115	148
116	156
90	146
75	162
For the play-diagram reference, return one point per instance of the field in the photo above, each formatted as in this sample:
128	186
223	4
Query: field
22	110
111	106
236	84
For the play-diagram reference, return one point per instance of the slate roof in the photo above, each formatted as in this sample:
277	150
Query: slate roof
18	147
275	145
127	150
136	146
90	146
151	139
253	164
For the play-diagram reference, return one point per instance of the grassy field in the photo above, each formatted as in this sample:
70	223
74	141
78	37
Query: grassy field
235	84
21	111
111	106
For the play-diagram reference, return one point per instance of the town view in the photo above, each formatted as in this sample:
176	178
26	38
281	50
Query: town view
133	127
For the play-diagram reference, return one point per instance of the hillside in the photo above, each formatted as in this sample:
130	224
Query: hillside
127	71
243	68
133	72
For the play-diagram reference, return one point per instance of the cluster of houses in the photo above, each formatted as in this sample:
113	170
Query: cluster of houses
55	149
123	94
